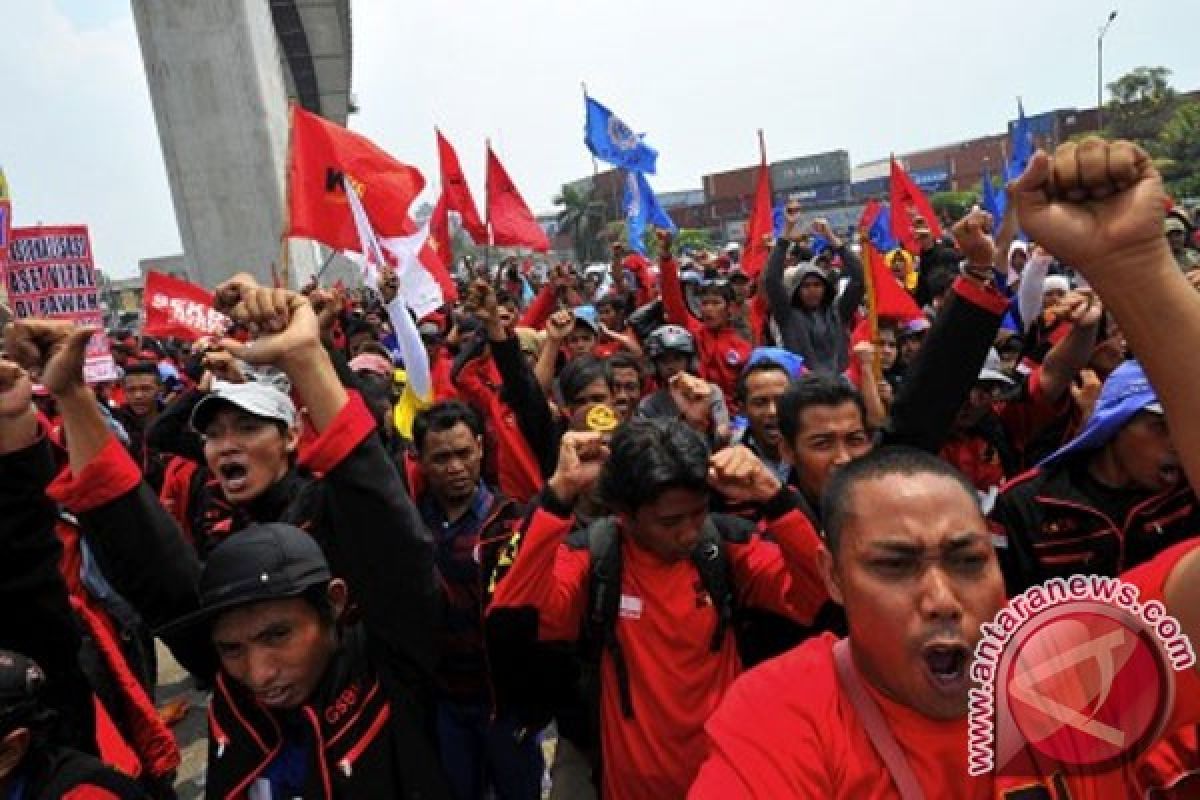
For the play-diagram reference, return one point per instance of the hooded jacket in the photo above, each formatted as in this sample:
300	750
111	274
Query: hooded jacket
822	334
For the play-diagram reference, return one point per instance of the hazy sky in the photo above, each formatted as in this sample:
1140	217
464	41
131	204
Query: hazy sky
78	141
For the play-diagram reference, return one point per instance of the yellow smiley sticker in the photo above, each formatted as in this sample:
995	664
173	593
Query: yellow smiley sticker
602	419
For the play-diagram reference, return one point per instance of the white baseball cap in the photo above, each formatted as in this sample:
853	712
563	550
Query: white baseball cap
259	399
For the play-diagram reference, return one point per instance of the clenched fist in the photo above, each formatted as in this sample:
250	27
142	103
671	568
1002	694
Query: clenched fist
56	349
741	476
1095	205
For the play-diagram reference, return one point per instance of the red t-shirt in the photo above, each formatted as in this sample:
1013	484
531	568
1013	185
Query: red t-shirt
665	626
786	729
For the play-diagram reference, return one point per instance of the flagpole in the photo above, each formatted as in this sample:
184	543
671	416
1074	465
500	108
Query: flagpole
487	250
287	193
872	300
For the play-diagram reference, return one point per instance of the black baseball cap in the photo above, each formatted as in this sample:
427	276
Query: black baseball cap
262	562
21	680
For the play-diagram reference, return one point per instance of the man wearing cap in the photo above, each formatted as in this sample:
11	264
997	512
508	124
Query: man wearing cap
32	765
307	701
760	386
1001	419
1177	227
1108	500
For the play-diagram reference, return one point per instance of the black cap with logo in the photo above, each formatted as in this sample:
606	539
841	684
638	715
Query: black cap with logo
262	562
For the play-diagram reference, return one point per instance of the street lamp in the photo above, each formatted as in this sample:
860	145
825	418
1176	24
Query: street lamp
1100	70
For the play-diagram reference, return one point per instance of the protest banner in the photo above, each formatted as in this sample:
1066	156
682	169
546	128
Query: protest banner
50	274
179	309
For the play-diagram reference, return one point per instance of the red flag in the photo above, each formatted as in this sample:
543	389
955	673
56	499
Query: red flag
180	309
511	220
321	154
456	194
439	231
761	224
908	202
892	301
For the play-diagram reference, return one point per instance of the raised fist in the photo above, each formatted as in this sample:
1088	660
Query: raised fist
1095	205
741	476
55	349
581	456
973	237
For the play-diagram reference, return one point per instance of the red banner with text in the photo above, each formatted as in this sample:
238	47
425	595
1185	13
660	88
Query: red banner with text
179	309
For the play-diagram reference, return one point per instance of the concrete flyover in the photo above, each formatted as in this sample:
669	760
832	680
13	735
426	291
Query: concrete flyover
220	74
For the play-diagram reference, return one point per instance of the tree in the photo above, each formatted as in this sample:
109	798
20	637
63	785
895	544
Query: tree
692	239
584	217
952	206
1178	151
1141	102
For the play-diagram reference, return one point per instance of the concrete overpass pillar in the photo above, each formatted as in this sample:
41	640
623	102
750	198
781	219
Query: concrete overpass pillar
220	100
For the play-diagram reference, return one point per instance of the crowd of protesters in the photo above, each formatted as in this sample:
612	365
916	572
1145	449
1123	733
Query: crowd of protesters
671	531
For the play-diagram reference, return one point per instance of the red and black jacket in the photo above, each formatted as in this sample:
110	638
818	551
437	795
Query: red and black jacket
1044	526
56	773
370	713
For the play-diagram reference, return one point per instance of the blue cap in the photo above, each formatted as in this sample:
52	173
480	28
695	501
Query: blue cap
586	315
1125	394
793	363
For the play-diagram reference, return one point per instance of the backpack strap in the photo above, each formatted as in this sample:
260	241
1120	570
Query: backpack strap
604	602
876	726
711	561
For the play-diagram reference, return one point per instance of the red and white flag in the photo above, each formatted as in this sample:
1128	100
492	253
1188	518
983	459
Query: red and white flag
415	261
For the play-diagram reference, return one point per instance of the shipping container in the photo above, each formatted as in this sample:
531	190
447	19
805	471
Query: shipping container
827	195
874	187
807	171
872	170
732	184
695	216
728	208
932	179
684	197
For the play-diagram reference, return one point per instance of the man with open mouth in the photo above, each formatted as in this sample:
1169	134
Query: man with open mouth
320	652
883	712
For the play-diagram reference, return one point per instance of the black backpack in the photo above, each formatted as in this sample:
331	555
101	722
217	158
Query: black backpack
536	681
599	632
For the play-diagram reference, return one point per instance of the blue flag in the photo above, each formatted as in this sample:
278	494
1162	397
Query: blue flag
777	221
642	209
993	200
613	141
880	232
1020	148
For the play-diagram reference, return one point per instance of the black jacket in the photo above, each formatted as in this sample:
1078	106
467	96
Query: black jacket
1045	525
38	621
53	773
369	715
821	336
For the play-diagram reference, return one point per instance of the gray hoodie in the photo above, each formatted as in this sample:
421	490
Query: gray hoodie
820	335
